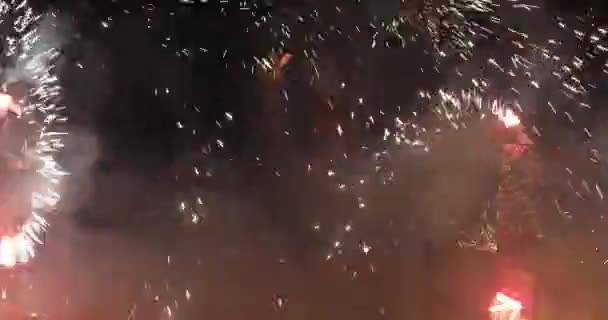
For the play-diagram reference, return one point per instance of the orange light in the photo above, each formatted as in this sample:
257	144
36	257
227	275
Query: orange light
505	303
284	60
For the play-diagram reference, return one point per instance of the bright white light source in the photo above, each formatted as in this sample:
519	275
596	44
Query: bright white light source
505	303
8	254
508	118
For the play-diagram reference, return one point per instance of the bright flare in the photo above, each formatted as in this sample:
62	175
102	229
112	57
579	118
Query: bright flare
8	254
508	118
505	303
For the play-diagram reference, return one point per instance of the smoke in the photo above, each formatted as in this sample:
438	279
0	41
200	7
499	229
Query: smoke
80	156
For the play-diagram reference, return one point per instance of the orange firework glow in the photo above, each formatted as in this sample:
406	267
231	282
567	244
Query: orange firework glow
284	60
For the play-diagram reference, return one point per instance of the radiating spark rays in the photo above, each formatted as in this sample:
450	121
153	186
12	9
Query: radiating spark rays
31	62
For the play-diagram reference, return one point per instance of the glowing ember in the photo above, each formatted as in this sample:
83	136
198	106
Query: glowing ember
284	60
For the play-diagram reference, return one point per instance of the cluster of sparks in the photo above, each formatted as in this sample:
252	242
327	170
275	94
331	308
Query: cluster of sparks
30	63
525	72
493	67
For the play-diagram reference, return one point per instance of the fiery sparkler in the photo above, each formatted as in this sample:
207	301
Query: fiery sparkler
31	92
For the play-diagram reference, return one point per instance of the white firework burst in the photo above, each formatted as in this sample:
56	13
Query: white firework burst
29	55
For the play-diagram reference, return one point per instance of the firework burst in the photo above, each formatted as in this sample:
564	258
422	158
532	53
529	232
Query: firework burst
29	75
